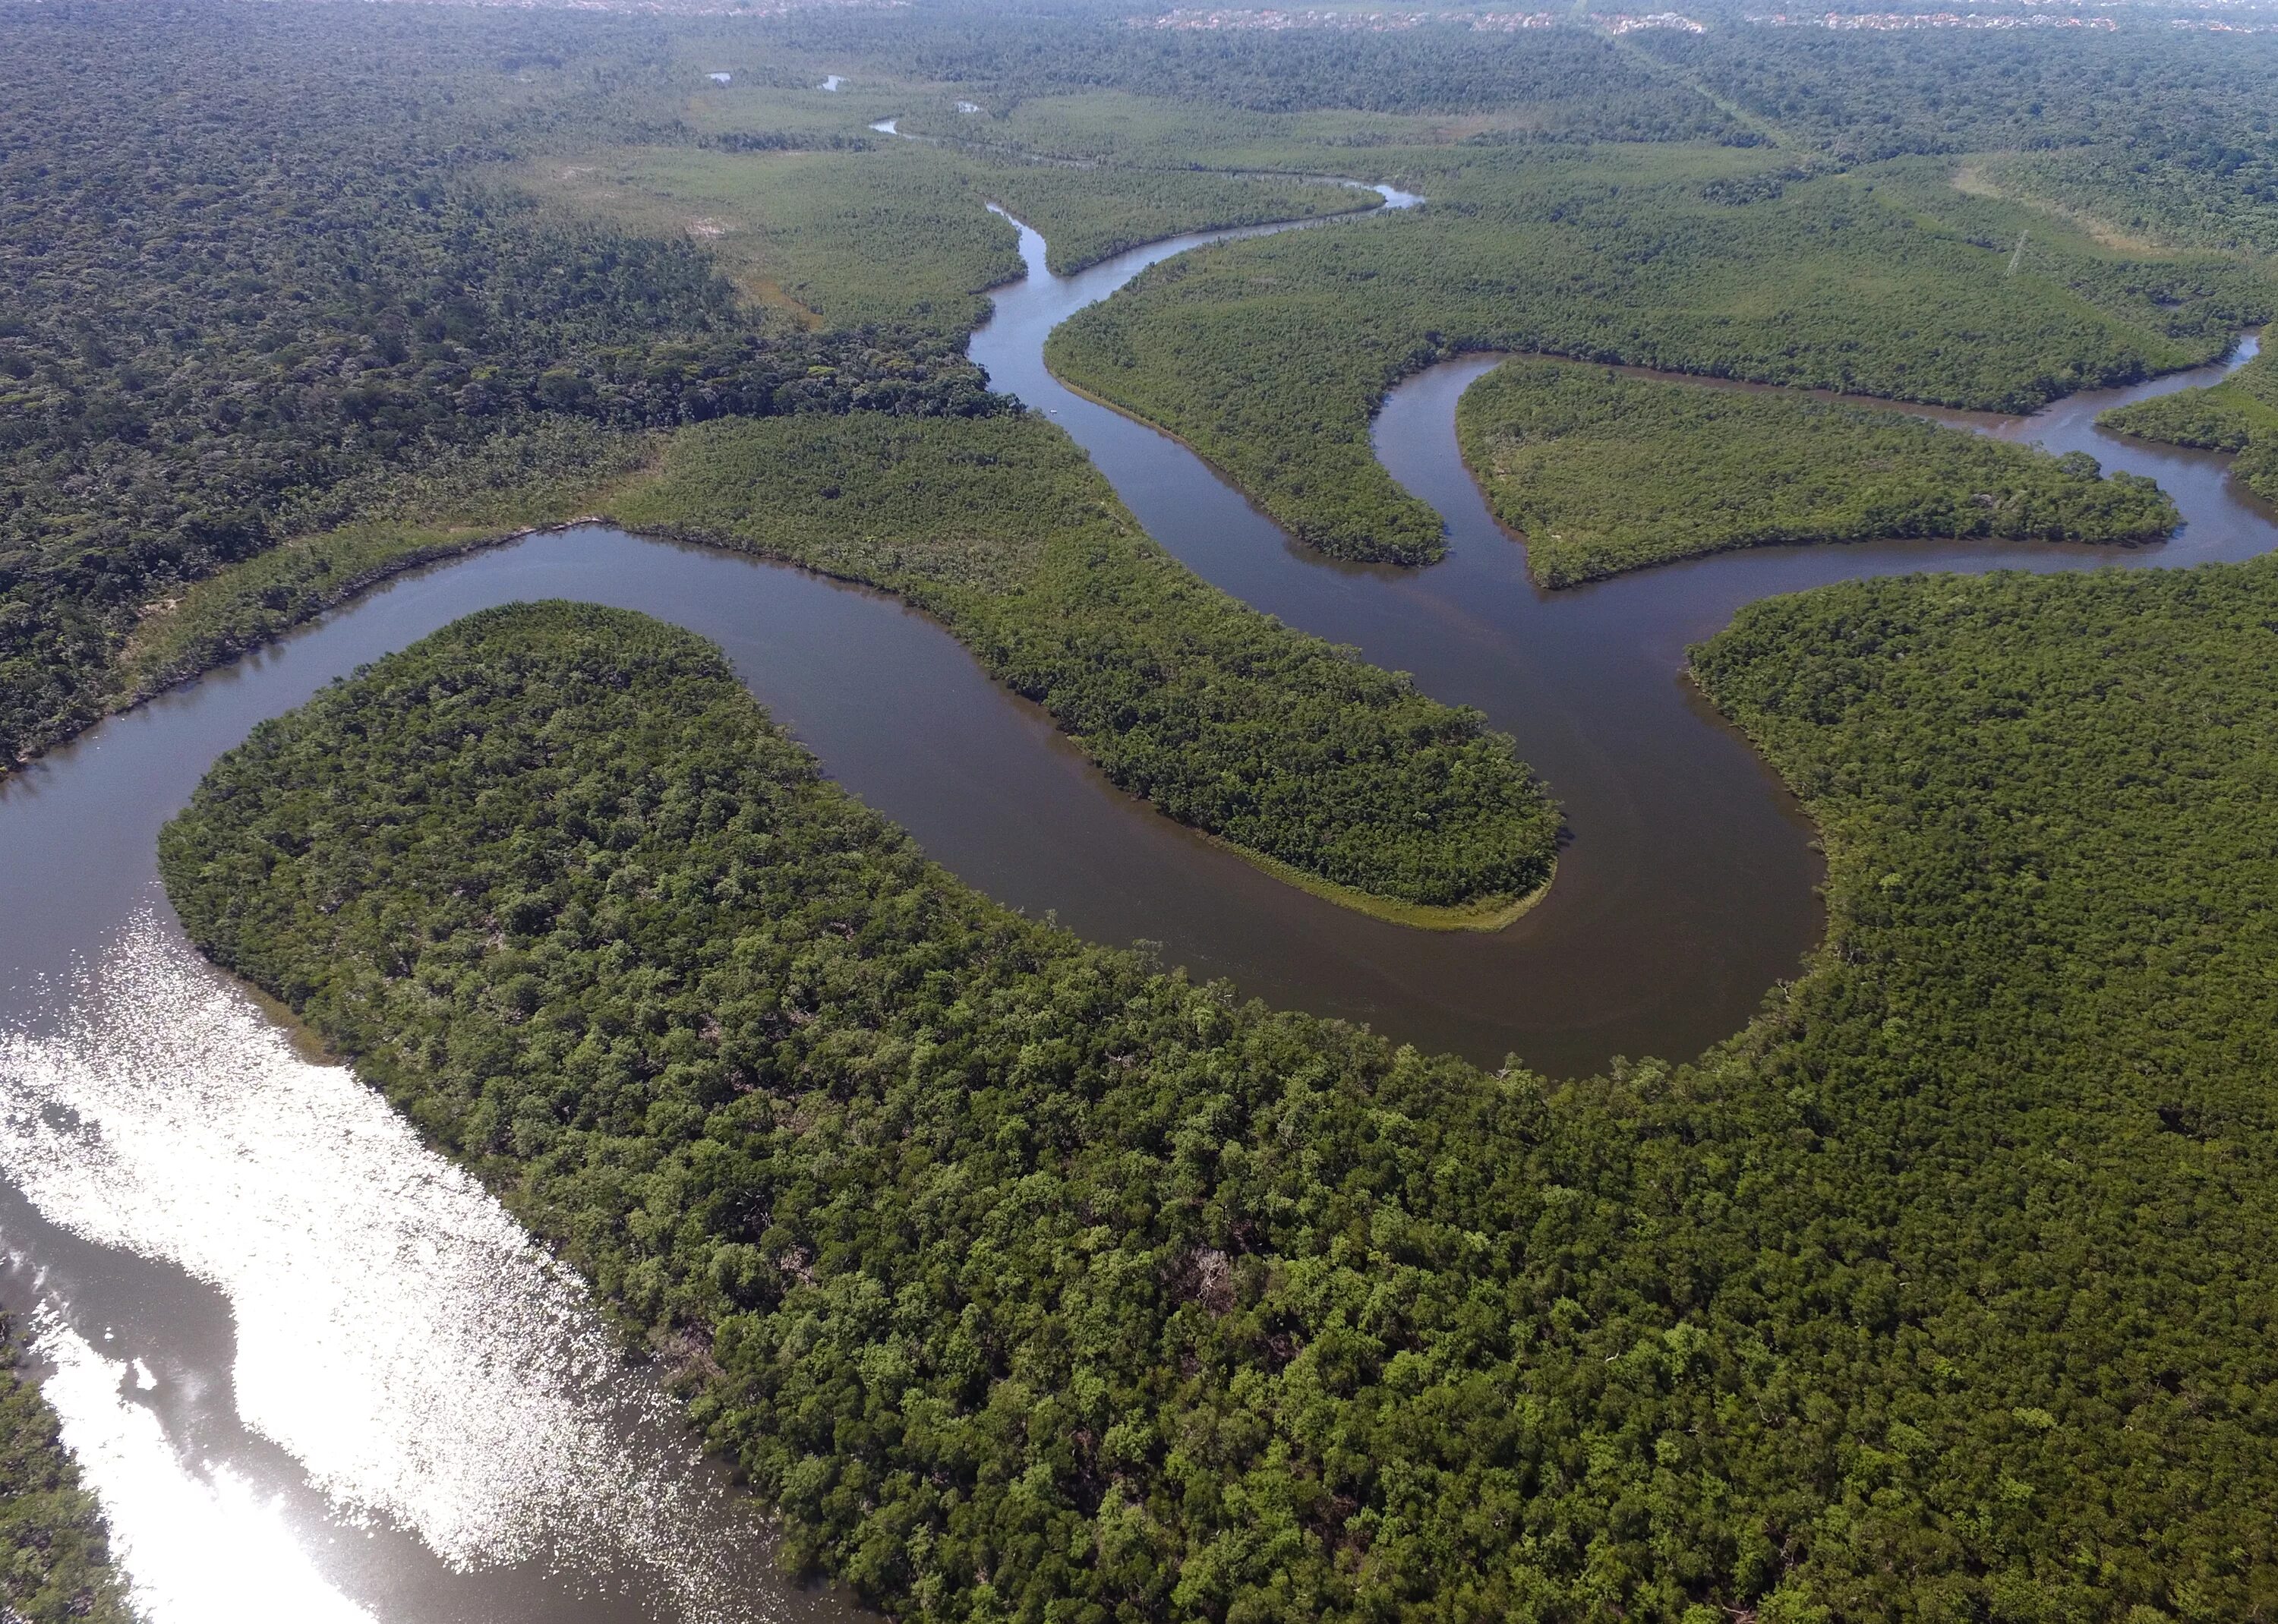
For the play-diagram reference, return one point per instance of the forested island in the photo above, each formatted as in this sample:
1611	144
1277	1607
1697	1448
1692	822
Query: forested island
1601	472
1033	1275
2239	415
1024	1276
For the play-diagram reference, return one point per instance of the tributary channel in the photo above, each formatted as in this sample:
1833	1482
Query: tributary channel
315	1373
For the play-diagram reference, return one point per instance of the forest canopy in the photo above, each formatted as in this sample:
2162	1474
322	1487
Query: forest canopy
1221	716
243	308
1600	472
1037	1282
1732	265
57	1566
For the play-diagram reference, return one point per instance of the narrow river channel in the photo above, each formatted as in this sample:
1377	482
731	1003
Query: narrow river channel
315	1373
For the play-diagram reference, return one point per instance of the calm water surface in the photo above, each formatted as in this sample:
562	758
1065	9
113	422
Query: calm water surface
1690	883
317	1373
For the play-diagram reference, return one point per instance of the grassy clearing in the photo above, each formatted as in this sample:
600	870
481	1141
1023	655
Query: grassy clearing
893	234
900	232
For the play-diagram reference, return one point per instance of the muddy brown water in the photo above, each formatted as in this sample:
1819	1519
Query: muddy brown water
315	1373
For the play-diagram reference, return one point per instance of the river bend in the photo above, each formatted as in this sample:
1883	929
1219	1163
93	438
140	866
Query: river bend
315	1373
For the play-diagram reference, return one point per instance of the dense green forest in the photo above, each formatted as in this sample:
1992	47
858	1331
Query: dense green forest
55	1555
1038	1283
1602	472
2153	131
1885	282
222	312
1029	1278
1221	716
228	317
2238	415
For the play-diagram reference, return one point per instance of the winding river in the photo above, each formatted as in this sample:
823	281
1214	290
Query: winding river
315	1373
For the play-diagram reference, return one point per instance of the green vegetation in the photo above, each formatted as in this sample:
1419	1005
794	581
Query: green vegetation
1087	215
2238	415
892	234
901	233
557	470
241	310
1039	1284
55	1554
1113	128
2154	131
1716	261
1225	719
1567	83
2227	416
1333	774
1603	473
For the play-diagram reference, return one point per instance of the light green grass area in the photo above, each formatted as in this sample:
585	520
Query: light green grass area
1603	472
901	232
893	234
1271	356
1111	127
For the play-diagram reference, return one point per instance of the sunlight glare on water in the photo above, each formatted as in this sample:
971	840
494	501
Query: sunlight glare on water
199	1548
396	1330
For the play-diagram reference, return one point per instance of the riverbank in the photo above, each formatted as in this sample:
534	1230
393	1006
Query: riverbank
1487	913
59	1567
918	1037
1306	762
1603	473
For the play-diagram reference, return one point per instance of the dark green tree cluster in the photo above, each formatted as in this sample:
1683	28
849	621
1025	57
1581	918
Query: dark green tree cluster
1861	97
1602	472
2238	415
1874	283
55	1553
218	304
2152	128
1033	1282
1579	85
1222	717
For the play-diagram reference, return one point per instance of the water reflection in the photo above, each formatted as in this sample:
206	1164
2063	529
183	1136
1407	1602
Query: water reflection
392	1330
289	1341
1689	885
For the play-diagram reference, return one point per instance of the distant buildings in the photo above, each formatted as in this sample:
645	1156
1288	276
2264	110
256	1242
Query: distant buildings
1277	20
